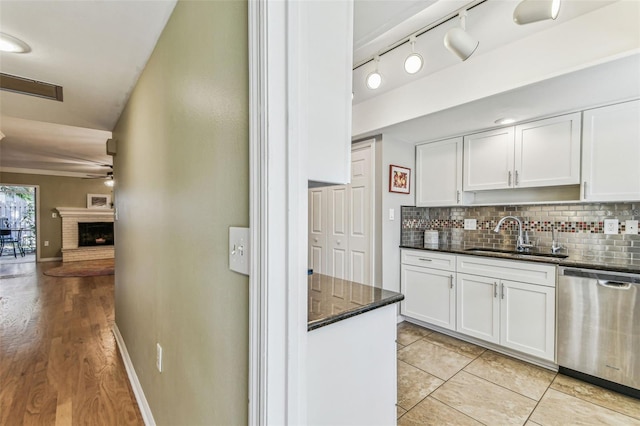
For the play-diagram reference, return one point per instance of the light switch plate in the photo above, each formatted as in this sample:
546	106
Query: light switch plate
630	226
239	250
471	224
392	214
610	226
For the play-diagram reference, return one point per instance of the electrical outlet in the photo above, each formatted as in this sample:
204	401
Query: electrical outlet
630	226
471	224
46	243
159	357
610	226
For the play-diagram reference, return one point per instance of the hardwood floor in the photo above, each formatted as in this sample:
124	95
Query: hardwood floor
59	363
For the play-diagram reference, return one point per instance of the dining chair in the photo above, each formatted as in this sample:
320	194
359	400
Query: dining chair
14	237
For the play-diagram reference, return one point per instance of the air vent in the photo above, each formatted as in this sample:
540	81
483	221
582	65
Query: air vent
26	86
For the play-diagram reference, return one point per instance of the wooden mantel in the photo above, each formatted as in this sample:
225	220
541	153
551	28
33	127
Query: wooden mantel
79	211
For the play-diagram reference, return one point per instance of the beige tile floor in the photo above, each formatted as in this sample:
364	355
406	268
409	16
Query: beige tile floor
445	381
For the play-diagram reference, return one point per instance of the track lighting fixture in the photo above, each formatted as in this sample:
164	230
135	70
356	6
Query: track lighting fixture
374	79
529	11
414	62
458	41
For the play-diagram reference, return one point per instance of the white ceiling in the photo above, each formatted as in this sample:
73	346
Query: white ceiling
96	51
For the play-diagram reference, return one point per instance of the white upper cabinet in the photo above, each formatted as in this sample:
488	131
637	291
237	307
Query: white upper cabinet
541	153
326	88
548	152
488	160
611	153
439	173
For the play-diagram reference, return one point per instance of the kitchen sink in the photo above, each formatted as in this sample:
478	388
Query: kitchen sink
516	252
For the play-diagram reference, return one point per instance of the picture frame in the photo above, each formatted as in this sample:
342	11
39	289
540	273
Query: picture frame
98	201
399	179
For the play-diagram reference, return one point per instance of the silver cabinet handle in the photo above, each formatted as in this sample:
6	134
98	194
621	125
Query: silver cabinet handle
458	197
584	188
517	179
425	259
502	290
495	289
450	281
509	177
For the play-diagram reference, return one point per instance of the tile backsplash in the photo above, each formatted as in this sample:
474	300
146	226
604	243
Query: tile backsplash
580	227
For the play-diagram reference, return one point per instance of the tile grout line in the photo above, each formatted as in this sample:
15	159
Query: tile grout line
594	403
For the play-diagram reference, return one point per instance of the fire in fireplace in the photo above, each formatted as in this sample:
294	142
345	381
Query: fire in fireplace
95	234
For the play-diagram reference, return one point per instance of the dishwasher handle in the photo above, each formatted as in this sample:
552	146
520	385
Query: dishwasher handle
617	285
615	279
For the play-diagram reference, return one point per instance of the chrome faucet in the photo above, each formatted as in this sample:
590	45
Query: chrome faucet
555	246
521	244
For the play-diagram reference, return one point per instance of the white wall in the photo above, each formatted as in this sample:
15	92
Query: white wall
391	151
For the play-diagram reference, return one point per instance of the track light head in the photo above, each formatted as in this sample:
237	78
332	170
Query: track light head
458	41
414	62
529	11
374	79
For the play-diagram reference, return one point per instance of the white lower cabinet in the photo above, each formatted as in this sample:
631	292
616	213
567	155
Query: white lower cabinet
478	308
427	280
527	318
503	302
513	314
429	295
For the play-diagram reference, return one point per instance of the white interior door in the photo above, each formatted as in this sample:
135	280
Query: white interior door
360	216
337	231
318	230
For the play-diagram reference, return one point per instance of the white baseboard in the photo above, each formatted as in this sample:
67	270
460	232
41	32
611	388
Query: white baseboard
145	410
49	259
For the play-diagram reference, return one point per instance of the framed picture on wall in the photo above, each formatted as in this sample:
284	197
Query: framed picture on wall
399	179
98	201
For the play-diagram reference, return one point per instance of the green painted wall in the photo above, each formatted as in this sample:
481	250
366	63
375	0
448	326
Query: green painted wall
182	173
56	191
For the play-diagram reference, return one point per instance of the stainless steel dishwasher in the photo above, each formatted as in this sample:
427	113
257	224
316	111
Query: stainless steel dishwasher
599	327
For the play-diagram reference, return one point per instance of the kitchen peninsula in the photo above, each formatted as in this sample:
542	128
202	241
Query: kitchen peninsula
351	352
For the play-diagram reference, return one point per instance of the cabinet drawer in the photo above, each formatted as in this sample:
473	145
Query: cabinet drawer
431	259
513	270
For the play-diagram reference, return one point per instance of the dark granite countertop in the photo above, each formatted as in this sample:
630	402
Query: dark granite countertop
574	260
333	299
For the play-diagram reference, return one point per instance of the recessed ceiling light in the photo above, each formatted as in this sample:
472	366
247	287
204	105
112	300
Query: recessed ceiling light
13	45
505	120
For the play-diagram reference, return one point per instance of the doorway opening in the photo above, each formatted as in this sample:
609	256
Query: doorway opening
18	224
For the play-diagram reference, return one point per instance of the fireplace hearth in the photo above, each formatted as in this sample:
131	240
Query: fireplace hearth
95	234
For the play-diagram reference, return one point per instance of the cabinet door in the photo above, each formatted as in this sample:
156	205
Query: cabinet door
326	74
429	295
318	230
611	153
478	307
439	173
547	152
488	160
527	318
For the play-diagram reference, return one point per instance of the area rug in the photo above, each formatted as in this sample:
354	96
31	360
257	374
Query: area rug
89	268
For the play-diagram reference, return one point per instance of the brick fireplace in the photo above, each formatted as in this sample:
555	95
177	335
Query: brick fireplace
71	251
